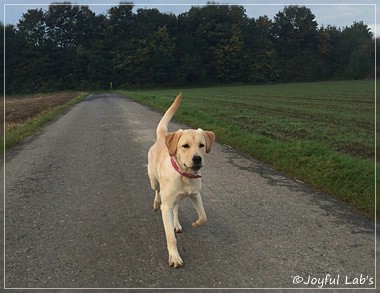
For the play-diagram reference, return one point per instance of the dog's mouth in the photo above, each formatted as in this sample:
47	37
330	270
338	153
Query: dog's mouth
194	168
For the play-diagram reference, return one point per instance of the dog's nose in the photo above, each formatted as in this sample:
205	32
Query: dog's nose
197	159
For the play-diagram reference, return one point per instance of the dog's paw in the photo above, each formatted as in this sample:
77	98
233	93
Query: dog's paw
175	260
178	228
199	222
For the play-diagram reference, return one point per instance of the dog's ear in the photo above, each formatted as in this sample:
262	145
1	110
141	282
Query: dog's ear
210	139
171	141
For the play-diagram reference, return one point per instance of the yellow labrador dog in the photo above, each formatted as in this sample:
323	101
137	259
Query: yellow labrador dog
174	164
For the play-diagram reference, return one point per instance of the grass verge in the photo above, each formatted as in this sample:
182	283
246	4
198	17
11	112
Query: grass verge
20	131
311	152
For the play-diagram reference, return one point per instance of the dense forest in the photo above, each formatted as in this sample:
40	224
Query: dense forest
70	47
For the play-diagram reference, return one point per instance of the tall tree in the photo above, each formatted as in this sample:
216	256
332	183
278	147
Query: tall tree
95	56
262	54
295	36
149	20
121	22
25	66
162	57
68	25
35	50
209	33
230	58
153	61
188	54
327	37
377	54
121	39
357	49
32	27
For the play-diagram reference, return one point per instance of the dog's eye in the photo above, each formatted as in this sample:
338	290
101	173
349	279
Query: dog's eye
201	145
186	146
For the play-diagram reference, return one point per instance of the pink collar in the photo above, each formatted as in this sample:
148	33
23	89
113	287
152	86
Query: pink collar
188	175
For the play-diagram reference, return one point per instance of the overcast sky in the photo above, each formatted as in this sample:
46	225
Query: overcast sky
340	13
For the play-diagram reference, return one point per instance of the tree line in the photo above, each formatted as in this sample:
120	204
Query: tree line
70	47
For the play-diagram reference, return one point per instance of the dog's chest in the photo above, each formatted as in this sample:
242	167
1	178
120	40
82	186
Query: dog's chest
190	187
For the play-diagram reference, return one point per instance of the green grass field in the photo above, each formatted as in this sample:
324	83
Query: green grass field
322	133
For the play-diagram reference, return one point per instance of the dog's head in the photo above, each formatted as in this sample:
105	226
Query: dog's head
189	146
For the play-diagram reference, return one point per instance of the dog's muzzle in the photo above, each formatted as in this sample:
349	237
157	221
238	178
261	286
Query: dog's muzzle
197	163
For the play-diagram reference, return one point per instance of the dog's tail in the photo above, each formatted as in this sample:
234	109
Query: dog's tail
162	128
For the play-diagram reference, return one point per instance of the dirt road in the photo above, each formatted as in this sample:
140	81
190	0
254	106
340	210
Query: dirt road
79	214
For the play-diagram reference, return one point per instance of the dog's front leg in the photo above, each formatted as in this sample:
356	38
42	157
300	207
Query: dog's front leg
168	219
177	225
196	199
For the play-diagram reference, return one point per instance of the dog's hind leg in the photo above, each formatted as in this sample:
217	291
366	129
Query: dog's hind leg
157	201
155	185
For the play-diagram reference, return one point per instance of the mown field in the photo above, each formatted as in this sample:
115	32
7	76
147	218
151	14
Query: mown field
24	115
320	133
